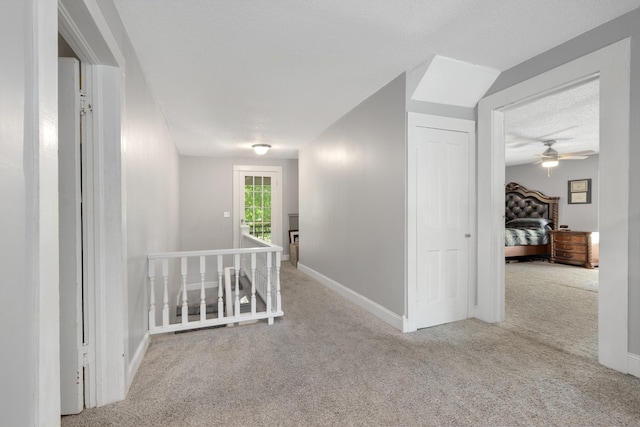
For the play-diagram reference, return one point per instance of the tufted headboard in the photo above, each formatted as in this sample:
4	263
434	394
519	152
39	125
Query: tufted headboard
523	203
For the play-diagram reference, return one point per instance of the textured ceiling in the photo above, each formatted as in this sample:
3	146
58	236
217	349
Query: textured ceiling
230	73
570	117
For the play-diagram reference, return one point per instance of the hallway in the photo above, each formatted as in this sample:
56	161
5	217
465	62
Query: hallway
328	362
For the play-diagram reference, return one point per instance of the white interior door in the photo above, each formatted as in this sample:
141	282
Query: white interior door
440	187
70	236
258	202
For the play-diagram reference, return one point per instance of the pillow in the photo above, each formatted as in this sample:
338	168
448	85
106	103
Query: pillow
536	223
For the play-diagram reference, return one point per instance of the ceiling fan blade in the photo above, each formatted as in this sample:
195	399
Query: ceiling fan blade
550	135
516	140
579	153
573	157
518	144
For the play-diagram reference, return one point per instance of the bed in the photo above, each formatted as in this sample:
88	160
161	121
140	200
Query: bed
529	216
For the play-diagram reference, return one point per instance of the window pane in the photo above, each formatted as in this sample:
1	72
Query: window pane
257	192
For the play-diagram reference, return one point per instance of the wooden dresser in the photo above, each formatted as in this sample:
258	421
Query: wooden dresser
575	248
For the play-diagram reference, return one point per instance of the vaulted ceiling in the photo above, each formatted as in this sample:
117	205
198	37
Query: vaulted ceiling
231	73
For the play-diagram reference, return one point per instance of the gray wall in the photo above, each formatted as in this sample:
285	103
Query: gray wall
206	192
534	177
352	204
151	175
626	26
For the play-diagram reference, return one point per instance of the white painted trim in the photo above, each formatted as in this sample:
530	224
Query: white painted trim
612	64
136	360
372	307
89	225
447	123
276	201
105	32
633	362
85	28
109	246
286	257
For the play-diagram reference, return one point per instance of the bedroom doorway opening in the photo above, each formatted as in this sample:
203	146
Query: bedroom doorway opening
554	299
612	65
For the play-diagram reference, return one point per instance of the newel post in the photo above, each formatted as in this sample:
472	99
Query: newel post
244	229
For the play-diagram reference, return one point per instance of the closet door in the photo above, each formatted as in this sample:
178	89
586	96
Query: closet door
440	224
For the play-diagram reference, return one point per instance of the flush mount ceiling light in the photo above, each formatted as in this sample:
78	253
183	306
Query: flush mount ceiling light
261	149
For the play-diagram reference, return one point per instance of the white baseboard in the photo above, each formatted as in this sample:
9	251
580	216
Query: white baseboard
285	257
633	364
137	359
372	307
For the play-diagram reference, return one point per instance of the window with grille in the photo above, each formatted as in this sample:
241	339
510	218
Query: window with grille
257	206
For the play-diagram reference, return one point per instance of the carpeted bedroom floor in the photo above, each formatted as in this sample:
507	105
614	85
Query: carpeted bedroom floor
553	303
328	362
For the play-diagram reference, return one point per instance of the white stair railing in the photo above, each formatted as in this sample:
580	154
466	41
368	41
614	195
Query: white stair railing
259	263
263	268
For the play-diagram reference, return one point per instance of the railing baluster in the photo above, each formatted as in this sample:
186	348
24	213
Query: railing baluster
270	320
236	266
203	302
165	295
255	260
220	286
185	306
152	294
253	283
278	297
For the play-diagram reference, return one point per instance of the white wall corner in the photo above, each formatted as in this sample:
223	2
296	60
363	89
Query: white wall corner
633	364
372	307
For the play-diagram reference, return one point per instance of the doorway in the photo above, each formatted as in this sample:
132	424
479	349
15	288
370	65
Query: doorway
104	251
554	303
257	202
611	64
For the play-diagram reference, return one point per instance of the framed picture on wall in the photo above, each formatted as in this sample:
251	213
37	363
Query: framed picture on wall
579	191
294	236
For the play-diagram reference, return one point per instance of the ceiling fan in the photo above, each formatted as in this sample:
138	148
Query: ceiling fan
550	157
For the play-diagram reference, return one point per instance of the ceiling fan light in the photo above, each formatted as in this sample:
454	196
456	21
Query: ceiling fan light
261	149
550	163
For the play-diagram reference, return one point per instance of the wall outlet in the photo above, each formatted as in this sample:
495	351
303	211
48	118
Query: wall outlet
227	214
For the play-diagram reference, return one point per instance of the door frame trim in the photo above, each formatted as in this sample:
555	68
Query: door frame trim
612	64
276	207
445	123
85	28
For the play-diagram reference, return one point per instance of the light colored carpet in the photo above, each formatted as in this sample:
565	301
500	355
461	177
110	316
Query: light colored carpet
553	303
328	362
